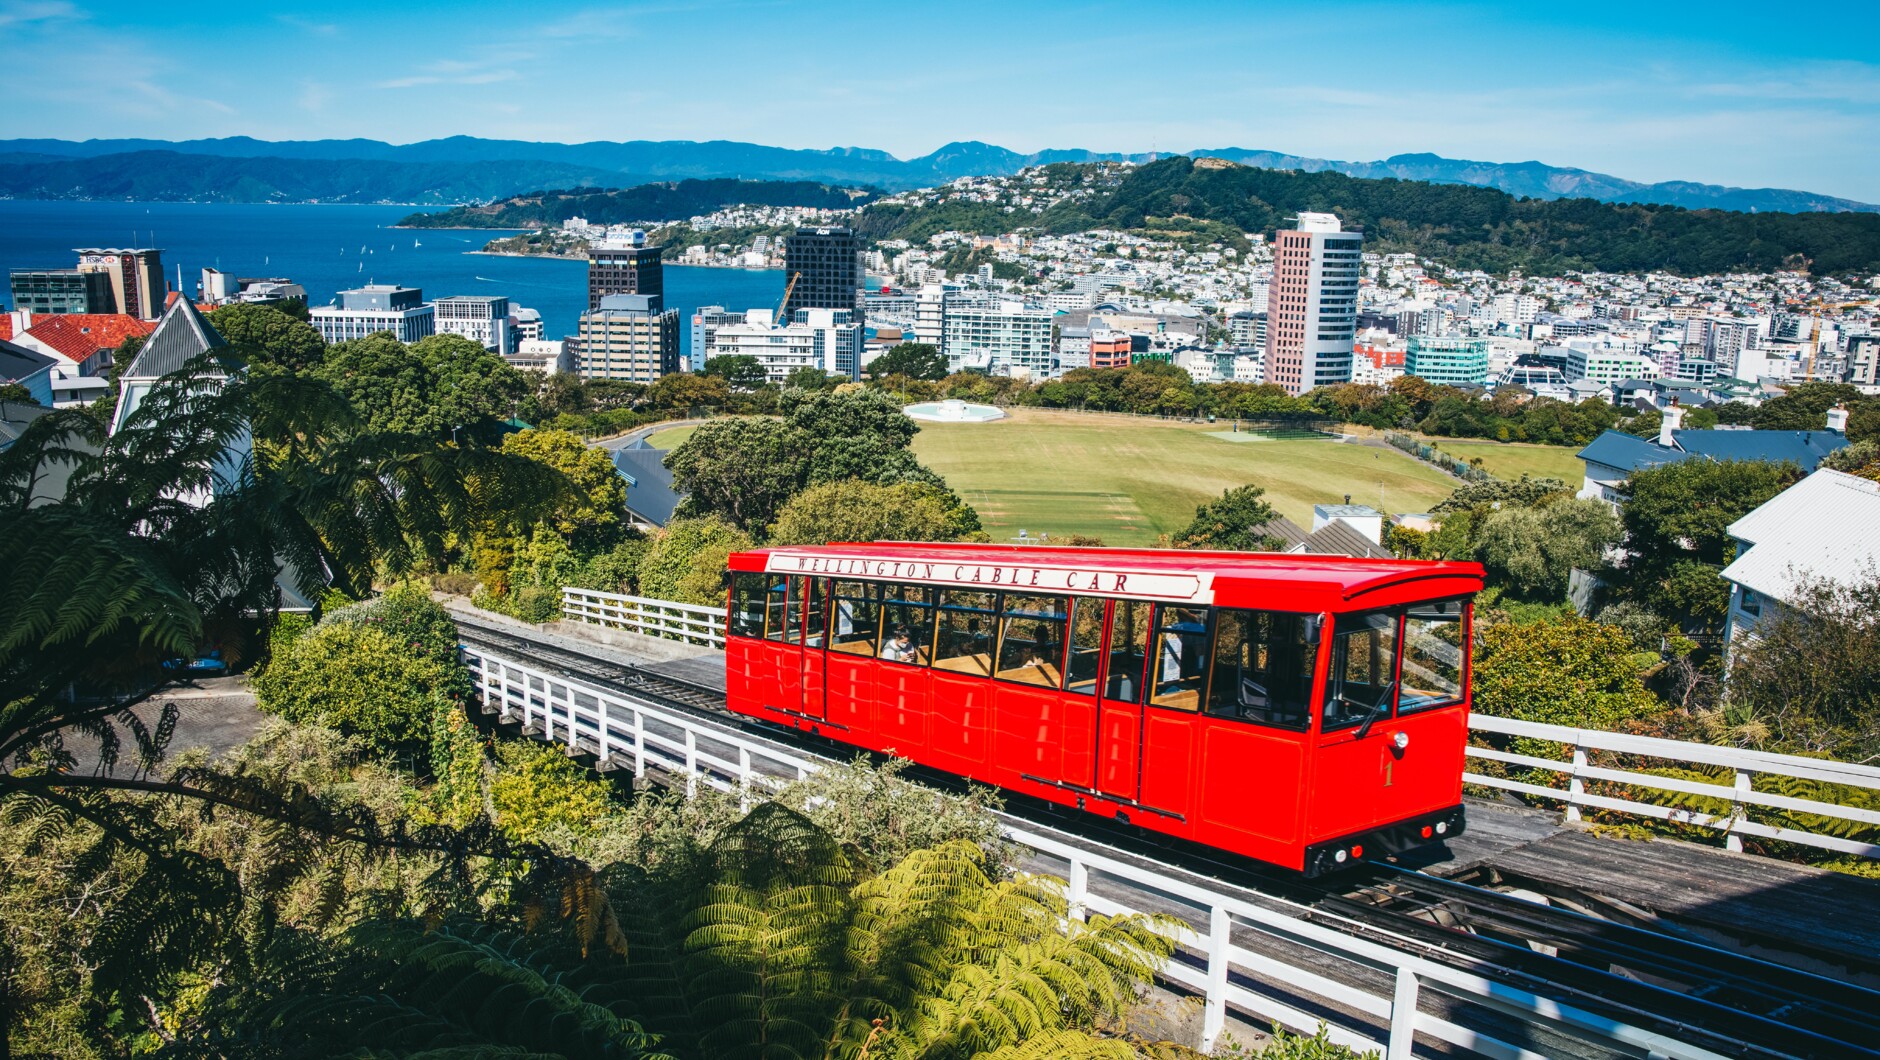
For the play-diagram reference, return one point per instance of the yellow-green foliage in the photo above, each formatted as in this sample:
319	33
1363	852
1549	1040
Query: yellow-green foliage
1566	671
359	679
539	791
686	561
853	510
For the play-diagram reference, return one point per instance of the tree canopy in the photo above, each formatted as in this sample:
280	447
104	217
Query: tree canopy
915	360
1677	519
435	386
1235	522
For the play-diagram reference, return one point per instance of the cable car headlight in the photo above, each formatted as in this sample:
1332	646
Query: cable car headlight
1400	740
1340	856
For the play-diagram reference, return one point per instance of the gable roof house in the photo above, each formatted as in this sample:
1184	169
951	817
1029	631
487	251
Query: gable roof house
181	336
1823	527
1612	457
29	368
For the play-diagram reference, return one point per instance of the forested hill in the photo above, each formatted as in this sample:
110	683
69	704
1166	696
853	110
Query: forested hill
645	203
1470	227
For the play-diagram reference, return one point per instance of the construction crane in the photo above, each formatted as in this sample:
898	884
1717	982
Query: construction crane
785	304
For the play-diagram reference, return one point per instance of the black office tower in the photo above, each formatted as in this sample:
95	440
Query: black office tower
624	270
826	264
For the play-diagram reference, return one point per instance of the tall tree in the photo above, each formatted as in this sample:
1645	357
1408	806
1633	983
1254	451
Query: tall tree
741	371
915	360
1677	519
263	334
1534	550
1235	522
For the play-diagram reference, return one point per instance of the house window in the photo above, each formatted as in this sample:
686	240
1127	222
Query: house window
1749	603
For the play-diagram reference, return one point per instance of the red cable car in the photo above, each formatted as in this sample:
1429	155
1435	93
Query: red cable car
1303	710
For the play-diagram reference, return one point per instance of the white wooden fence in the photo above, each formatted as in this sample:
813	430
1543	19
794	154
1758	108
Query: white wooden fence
706	625
1739	796
642	614
1226	965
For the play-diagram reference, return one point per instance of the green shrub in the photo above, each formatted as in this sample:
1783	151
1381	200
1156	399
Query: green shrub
538	791
361	680
687	560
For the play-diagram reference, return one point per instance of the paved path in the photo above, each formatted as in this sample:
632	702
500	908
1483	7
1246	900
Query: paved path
217	714
642	432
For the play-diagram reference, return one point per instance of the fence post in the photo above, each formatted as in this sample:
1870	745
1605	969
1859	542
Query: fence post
1575	786
1078	885
691	763
639	745
1214	1014
1738	812
573	732
1403	1016
744	779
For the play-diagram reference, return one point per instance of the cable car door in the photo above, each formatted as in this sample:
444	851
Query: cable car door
786	632
1119	711
815	682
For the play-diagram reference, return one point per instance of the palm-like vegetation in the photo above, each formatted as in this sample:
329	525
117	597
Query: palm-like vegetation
776	943
171	536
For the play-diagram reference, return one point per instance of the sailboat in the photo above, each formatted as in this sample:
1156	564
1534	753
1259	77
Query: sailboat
415	244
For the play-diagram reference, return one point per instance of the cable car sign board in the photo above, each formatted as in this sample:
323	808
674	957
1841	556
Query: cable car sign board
1188	587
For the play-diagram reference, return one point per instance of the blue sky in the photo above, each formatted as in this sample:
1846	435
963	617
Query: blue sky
1731	93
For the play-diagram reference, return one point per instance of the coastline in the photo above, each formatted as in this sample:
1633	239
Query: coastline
583	257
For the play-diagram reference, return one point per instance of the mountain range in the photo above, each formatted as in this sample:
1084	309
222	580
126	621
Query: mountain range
246	169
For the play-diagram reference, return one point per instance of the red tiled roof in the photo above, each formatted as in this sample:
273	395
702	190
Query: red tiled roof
79	335
6	327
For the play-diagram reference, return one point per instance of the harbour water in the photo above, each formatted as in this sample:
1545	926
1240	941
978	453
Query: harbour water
331	248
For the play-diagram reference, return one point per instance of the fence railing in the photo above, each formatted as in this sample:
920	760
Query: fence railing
1267	963
1740	799
691	623
1730	809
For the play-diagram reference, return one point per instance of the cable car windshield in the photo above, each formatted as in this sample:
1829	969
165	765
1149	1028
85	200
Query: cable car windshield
1364	669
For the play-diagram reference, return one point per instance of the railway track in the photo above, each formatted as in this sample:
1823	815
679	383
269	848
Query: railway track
1734	1004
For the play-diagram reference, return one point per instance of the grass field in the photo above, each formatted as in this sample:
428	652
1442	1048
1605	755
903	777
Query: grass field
1511	460
671	437
1127	479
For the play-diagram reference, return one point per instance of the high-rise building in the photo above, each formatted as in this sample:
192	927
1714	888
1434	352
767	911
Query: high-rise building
1451	360
822	268
998	339
374	308
1863	360
828	339
483	319
630	337
1312	305
624	267
706	321
59	291
1247	328
136	276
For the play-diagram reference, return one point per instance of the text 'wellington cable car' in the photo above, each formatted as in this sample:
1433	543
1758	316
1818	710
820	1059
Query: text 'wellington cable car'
1303	710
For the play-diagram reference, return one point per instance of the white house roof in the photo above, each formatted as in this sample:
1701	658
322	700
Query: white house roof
1821	527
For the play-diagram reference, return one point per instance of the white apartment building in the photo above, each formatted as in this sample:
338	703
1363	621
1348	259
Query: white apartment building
999	338
374	308
1608	364
828	339
483	319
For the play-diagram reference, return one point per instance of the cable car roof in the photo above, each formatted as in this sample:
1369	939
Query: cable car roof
1173	575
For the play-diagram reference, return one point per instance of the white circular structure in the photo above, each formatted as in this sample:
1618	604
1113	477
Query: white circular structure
953	410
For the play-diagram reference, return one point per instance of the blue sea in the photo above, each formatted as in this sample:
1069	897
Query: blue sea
331	248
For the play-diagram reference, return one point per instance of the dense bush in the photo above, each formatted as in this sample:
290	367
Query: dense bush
686	561
360	680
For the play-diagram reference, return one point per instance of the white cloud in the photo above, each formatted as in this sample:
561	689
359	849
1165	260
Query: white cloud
22	12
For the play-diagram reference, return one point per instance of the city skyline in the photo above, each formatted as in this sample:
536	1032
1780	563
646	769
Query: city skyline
1714	94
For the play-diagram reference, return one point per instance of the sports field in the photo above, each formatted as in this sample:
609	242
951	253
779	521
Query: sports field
1127	479
1511	460
671	437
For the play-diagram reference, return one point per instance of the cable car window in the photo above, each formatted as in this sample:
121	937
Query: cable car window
1364	670
967	622
747	604
776	607
1263	663
817	614
1434	653
906	624
793	610
1086	646
1129	650
1031	640
855	618
1181	657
